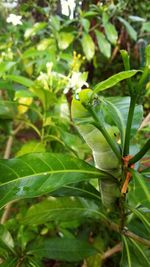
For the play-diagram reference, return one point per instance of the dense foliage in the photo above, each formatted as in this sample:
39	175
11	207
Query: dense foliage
74	165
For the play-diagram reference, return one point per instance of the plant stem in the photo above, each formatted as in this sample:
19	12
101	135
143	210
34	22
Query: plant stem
129	123
141	153
112	251
99	125
115	227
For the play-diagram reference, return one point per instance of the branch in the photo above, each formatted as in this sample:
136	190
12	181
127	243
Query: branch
115	227
112	251
141	153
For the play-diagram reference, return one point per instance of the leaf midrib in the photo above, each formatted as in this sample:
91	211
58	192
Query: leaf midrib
52	172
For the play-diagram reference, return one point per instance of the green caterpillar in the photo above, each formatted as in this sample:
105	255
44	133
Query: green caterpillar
104	157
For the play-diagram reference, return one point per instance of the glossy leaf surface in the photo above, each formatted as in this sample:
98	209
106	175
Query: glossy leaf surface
113	80
36	174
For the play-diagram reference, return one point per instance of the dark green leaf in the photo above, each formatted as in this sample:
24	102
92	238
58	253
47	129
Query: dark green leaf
81	189
65	249
61	210
8	110
142	183
134	254
36	174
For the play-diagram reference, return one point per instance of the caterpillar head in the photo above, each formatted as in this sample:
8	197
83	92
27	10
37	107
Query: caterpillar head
79	103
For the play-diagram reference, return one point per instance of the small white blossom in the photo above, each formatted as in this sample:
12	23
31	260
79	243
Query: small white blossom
14	19
77	80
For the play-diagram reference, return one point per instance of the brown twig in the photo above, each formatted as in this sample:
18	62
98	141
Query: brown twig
112	251
117	47
115	227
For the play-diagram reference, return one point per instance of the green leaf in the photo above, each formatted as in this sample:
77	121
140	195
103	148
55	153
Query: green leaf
146	27
8	110
125	57
6	66
55	22
64	249
20	79
142	183
64	209
86	24
136	19
80	189
103	44
65	39
35	174
11	262
122	105
138	213
147	52
6	238
88	46
36	28
31	147
129	28
113	80
134	254
116	115
111	32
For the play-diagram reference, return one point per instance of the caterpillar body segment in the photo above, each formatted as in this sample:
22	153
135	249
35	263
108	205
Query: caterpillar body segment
104	158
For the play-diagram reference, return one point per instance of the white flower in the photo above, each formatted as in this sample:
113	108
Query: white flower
15	20
77	80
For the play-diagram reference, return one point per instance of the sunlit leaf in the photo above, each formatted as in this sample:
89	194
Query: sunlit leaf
6	237
113	80
65	39
88	46
31	147
86	24
103	44
21	80
111	32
